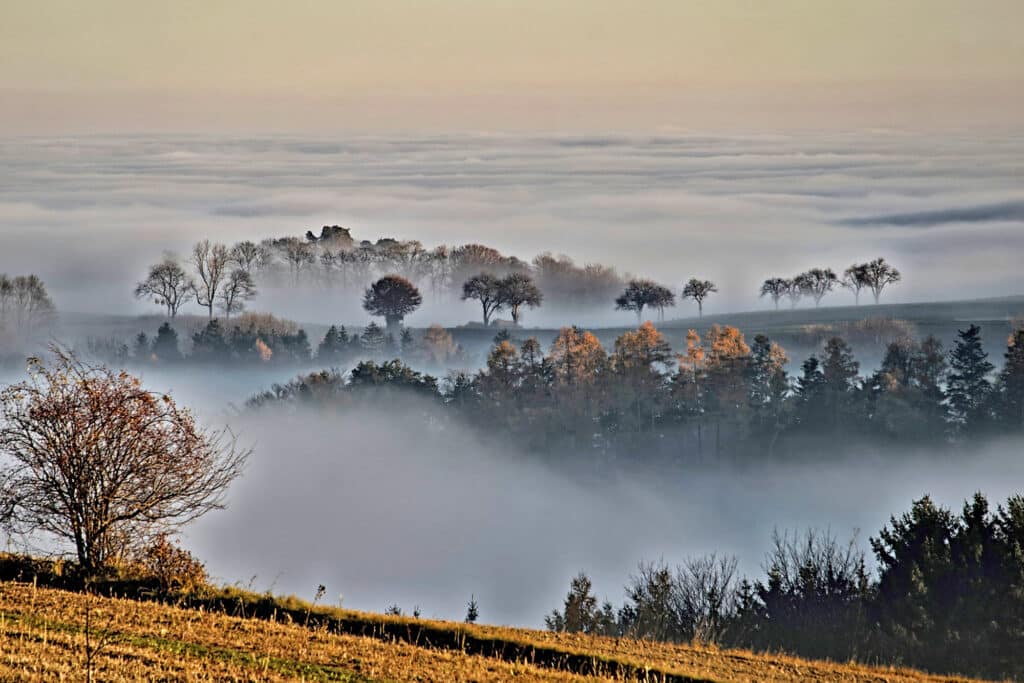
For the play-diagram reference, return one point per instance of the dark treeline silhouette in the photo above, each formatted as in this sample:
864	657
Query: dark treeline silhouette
948	595
717	396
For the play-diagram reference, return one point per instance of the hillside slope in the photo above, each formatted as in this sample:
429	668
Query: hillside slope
51	634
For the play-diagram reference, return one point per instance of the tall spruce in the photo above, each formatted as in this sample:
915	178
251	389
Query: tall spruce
969	392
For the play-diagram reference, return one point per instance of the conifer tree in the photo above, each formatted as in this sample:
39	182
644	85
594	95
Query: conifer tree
165	345
969	391
1011	383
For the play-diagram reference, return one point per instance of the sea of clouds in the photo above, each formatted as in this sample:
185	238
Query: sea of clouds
89	213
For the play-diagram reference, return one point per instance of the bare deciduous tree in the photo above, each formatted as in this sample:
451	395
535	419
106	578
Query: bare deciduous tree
249	256
211	263
698	290
639	294
24	304
237	289
486	289
167	285
878	275
816	283
854	279
776	288
95	460
518	290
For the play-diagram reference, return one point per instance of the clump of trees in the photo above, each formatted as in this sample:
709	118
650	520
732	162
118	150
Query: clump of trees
948	595
817	283
98	462
514	291
640	294
220	278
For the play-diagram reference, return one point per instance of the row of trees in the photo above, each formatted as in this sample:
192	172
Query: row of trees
816	283
640	294
721	395
218	277
948	595
25	306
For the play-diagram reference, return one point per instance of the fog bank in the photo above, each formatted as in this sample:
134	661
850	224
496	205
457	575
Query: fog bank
382	510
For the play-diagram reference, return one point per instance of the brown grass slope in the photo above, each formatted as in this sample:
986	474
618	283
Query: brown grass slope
47	634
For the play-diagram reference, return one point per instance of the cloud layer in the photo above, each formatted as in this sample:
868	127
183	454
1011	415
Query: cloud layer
89	213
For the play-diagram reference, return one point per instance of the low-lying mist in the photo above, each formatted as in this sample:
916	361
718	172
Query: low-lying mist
384	510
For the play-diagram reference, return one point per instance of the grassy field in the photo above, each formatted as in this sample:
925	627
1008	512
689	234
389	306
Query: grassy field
51	635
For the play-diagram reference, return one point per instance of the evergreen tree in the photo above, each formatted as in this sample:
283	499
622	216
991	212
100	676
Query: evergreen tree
1011	383
165	345
768	388
472	610
372	340
839	373
141	351
209	343
969	391
406	342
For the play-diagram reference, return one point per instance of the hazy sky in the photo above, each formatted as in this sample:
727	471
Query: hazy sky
320	65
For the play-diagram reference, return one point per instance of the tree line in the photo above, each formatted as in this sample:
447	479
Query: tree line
948	595
873	276
717	396
222	278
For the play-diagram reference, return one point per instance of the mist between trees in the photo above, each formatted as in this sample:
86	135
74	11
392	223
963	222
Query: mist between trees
948	595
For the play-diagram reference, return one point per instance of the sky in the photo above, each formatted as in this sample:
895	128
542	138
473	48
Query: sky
324	66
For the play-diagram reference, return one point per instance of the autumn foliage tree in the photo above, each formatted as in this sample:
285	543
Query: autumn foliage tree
95	460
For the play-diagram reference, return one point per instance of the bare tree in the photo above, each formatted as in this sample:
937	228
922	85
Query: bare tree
794	292
776	288
249	256
486	289
297	253
698	290
24	303
167	284
816	283
854	280
517	290
211	262
877	275
640	294
392	297
99	462
237	289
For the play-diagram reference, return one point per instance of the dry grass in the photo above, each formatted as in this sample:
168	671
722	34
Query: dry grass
44	638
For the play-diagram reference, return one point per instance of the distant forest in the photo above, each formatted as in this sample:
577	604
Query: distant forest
718	396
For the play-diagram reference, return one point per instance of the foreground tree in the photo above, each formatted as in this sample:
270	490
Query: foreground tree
486	289
210	262
639	294
698	290
776	288
816	283
392	297
97	461
517	290
167	285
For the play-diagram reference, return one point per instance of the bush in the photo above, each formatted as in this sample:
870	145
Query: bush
172	567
